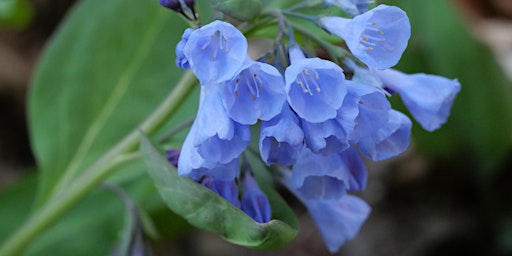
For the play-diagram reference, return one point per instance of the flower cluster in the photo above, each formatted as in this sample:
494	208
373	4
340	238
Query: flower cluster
314	123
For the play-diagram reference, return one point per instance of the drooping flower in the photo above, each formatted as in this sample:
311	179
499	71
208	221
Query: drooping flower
326	137
428	97
185	7
338	220
215	52
256	92
316	176
373	110
214	142
351	7
281	138
315	87
390	140
227	189
378	37
254	202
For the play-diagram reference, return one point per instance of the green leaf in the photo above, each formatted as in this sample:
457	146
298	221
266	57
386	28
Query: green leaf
109	65
239	9
206	210
16	14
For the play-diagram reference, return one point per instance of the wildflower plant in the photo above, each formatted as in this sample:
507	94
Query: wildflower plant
285	117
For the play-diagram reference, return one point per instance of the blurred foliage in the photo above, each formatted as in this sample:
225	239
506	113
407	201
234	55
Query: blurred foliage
16	14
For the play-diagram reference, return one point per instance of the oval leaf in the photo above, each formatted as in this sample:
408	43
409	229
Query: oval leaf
206	210
100	76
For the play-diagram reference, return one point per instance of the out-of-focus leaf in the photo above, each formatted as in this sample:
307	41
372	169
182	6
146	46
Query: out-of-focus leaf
109	65
480	126
206	210
238	9
16	14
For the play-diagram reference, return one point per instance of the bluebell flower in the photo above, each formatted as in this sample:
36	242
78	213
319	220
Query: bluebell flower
351	7
256	92
428	97
214	142
254	202
315	87
215	52
181	60
281	138
227	189
373	110
338	219
326	137
218	138
378	37
316	176
390	140
185	7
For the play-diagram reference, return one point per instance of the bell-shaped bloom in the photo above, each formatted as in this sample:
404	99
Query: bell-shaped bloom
373	110
281	138
325	138
194	166
390	140
338	220
215	52
429	98
351	7
181	60
316	176
254	202
214	142
256	92
377	37
218	138
315	87
227	189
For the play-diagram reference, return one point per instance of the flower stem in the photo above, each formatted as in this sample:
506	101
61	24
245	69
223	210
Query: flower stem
61	202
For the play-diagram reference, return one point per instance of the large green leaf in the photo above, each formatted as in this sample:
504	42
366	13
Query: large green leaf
107	67
478	131
206	210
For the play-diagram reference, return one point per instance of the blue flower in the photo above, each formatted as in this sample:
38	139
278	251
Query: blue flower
315	87
181	60
326	137
428	97
351	7
256	92
373	110
316	176
378	37
254	202
218	138
390	140
227	189
338	219
215	52
215	142
281	138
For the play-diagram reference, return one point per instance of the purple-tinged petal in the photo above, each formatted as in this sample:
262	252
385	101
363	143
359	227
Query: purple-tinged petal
325	138
227	189
181	59
254	202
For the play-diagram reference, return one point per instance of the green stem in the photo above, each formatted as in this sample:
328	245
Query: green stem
97	172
